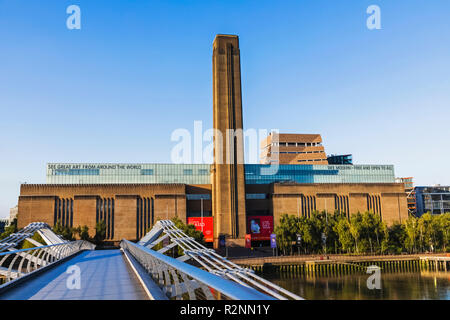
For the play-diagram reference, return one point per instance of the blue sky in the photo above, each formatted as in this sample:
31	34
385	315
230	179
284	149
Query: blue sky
137	70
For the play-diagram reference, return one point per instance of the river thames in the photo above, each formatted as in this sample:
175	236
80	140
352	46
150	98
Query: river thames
394	286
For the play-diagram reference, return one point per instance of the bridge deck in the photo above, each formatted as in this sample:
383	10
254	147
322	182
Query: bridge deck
105	275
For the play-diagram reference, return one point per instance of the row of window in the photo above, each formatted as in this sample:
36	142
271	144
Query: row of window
287	172
105	212
198	196
296	144
96	172
76	172
341	204
145	216
374	204
311	160
63	212
186	172
256	196
296	152
307	205
190	172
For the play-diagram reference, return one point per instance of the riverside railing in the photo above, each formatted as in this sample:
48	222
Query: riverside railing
182	281
17	263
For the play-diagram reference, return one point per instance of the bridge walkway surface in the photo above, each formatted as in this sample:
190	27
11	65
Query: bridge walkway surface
105	275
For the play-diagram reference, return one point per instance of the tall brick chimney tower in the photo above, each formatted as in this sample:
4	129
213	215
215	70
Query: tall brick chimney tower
228	179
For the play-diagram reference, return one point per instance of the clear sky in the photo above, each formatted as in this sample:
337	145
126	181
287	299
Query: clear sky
115	90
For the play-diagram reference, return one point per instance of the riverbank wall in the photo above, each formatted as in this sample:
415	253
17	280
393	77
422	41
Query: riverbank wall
342	264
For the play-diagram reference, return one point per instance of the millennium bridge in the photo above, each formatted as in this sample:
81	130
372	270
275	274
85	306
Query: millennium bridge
72	270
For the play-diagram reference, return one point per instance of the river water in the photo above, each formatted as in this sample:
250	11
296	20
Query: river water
395	286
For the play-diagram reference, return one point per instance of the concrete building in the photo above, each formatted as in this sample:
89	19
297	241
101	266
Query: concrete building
288	148
432	199
13	214
130	198
410	194
4	222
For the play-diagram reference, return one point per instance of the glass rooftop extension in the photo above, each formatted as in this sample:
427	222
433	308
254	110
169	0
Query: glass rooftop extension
264	174
98	173
103	173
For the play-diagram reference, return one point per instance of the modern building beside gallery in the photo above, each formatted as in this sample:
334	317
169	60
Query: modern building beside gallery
228	200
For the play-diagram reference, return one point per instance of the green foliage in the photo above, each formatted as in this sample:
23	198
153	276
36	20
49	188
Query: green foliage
12	228
363	233
64	231
100	232
36	236
429	233
345	237
82	232
189	229
395	242
286	232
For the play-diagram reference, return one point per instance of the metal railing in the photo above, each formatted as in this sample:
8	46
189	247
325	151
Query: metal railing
44	230
17	263
182	281
209	260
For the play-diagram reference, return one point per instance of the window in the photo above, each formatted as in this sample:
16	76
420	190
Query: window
255	196
147	172
203	172
198	196
187	172
77	172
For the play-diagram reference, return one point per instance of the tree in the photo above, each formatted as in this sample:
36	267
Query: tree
286	232
373	232
346	239
444	221
306	230
64	231
364	233
12	228
318	225
356	229
100	232
189	229
412	234
395	242
82	232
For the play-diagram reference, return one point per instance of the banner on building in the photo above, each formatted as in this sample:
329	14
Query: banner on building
248	240
273	240
260	227
205	224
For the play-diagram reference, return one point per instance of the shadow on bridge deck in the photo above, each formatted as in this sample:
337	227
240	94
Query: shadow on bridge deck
105	275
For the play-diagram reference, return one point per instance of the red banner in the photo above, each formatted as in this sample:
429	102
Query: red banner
205	224
248	240
260	227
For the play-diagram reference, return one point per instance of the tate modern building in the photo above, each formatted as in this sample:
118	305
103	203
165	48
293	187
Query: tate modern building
226	198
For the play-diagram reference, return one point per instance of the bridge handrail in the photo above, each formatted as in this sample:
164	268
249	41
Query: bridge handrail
209	259
44	230
87	245
226	287
17	263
